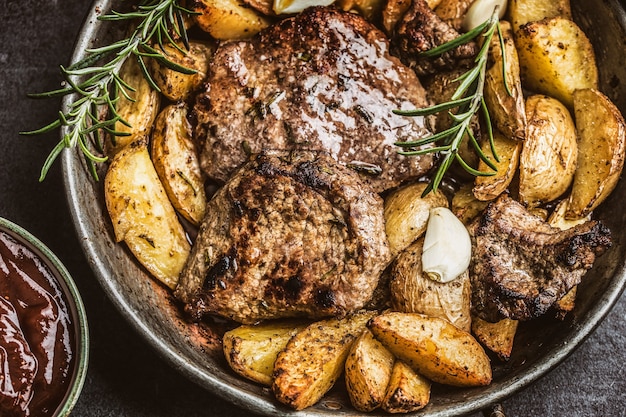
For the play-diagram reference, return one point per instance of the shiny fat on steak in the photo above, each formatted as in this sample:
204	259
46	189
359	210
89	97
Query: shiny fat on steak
323	79
291	234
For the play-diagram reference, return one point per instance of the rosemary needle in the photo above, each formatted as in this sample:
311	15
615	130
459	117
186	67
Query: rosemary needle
468	99
96	83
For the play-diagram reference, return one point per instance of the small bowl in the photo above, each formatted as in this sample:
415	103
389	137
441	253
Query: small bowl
77	314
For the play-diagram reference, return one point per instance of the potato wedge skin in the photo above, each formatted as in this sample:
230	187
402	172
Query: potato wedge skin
434	347
139	114
548	158
368	371
406	214
175	85
465	205
176	162
521	12
602	145
251	350
228	19
408	391
497	337
556	58
143	216
506	107
413	292
487	188
314	358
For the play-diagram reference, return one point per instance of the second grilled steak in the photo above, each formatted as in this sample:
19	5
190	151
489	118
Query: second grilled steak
290	234
323	79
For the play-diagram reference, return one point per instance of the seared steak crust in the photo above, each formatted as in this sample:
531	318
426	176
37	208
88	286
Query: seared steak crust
323	79
521	265
292	233
421	30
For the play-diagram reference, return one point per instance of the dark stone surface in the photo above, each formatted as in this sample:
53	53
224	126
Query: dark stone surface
126	378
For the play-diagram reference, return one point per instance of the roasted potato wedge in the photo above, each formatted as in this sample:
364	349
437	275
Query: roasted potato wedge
368	371
521	12
408	391
251	350
497	337
434	347
413	292
465	205
506	107
143	216
393	10
406	214
548	157
556	58
137	111
487	188
453	11
601	149
176	162
314	358
175	85
369	9
265	7
228	19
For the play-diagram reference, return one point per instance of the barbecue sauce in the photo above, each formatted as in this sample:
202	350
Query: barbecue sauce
36	334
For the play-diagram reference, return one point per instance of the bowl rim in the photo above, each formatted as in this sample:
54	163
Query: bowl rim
495	393
77	308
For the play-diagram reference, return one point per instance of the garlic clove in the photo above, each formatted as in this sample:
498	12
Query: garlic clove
480	11
296	6
447	246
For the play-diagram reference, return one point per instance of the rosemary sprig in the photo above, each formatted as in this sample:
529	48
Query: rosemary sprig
468	99
97	86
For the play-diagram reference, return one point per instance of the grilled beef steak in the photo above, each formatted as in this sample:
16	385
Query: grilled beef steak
292	233
421	30
323	79
521	265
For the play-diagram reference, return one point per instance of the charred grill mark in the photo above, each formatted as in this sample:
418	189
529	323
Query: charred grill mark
325	298
224	268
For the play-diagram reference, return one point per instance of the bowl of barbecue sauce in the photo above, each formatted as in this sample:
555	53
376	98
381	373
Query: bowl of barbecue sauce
43	329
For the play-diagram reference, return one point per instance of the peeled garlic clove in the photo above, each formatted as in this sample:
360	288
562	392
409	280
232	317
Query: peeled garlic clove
447	246
296	6
480	11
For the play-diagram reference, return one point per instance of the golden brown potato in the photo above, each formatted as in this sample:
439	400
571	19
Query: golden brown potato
548	158
228	19
393	10
556	58
506	110
314	358
453	11
138	112
601	148
406	214
263	6
175	85
143	216
521	12
251	350
487	188
408	391
369	9
413	292
465	205
434	347
368	370
176	162
497	337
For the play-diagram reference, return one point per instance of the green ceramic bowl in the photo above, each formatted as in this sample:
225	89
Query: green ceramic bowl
76	311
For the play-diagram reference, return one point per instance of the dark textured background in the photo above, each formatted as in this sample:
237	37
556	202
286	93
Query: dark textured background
126	378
